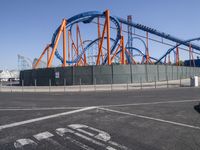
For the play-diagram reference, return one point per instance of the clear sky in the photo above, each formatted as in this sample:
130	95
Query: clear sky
26	26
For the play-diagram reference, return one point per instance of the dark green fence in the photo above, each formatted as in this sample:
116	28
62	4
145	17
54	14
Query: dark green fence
115	74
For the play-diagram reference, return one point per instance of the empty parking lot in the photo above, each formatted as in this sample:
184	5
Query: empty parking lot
141	119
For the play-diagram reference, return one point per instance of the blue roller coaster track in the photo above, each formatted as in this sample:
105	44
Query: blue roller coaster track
88	17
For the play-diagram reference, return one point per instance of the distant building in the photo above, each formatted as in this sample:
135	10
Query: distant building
6	75
192	63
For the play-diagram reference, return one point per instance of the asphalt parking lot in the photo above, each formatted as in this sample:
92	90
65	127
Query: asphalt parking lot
158	119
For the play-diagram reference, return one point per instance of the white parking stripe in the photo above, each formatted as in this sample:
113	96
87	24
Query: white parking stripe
38	108
118	145
151	118
63	131
22	142
151	103
43	135
118	105
44	118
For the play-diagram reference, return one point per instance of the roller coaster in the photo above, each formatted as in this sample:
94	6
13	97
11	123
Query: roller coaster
110	44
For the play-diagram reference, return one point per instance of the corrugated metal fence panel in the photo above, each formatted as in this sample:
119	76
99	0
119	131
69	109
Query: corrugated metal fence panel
138	73
152	73
184	72
121	74
174	73
45	76
161	72
63	76
103	74
83	75
179	72
168	72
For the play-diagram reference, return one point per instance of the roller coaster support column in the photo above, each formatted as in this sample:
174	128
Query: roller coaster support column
177	57
123	51
147	48
101	44
40	58
69	44
171	49
64	45
99	36
107	13
64	22
48	52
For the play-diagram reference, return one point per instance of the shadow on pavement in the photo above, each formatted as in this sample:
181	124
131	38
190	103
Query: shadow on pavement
197	108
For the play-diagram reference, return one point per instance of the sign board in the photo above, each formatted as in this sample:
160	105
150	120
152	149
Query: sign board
57	75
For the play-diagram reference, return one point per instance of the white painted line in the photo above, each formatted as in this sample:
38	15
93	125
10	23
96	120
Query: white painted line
101	135
119	105
44	118
83	146
118	145
22	142
151	118
47	136
43	135
89	139
38	108
150	103
110	148
63	131
85	132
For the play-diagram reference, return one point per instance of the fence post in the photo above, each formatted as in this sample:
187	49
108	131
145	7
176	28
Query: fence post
64	85
127	85
35	81
10	86
180	80
141	83
167	83
111	86
155	81
49	85
80	84
0	86
95	84
22	86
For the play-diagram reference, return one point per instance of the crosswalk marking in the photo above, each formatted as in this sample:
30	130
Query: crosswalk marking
43	135
22	142
92	135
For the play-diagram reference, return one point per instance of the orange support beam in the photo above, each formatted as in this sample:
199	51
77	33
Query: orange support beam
177	57
99	30
77	45
40	58
81	42
69	44
147	48
48	52
190	56
101	43
128	52
123	50
118	47
99	36
107	13
56	44
64	45
169	60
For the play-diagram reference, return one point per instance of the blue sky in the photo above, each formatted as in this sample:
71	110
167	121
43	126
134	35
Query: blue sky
26	26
